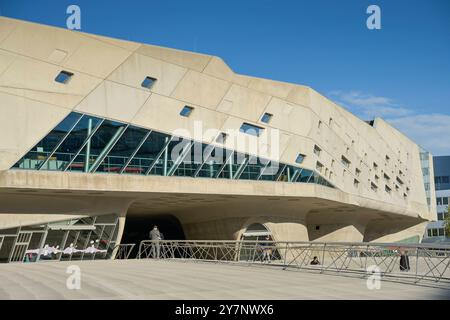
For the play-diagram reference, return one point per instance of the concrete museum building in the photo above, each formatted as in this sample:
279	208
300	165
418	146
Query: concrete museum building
103	138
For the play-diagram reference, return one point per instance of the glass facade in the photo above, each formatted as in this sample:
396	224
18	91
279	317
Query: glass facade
428	182
86	238
89	144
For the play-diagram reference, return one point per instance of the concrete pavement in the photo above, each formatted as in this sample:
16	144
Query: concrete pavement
148	279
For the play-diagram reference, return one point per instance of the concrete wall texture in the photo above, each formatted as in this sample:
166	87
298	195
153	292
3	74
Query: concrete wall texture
107	83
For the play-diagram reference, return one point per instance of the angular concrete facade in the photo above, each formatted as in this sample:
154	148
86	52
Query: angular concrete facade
373	179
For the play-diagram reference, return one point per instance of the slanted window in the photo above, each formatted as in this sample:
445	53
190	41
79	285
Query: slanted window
266	117
317	150
386	177
375	166
319	166
399	180
251	129
345	161
373	186
356	183
148	82
63	77
222	137
357	172
388	190
186	111
300	158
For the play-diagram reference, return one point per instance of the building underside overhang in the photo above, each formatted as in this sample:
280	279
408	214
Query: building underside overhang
229	205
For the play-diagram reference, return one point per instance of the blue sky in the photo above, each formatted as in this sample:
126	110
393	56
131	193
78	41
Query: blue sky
401	72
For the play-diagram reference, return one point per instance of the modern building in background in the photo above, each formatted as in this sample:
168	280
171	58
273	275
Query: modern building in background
435	230
100	140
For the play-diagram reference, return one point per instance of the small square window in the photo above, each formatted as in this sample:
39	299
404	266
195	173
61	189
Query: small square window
300	158
148	82
222	137
186	111
266	117
251	129
63	77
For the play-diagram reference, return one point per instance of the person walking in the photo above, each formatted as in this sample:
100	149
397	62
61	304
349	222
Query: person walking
267	250
155	236
404	261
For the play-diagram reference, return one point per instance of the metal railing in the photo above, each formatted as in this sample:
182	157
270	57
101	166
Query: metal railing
122	251
414	263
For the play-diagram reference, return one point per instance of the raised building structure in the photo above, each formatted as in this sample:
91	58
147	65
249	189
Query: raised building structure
102	138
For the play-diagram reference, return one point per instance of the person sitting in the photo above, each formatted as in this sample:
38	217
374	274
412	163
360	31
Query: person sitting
315	261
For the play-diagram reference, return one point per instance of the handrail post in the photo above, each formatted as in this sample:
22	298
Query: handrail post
323	257
417	264
285	255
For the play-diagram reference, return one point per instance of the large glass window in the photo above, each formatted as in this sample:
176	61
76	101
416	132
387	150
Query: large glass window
90	144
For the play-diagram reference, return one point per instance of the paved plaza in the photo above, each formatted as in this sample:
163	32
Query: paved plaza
149	279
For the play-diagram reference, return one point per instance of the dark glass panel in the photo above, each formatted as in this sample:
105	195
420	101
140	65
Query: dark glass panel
271	172
103	137
122	150
175	150
72	144
253	168
193	160
213	163
147	153
305	176
36	156
6	247
233	165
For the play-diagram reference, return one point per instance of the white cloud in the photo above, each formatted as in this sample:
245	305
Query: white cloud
431	131
368	106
